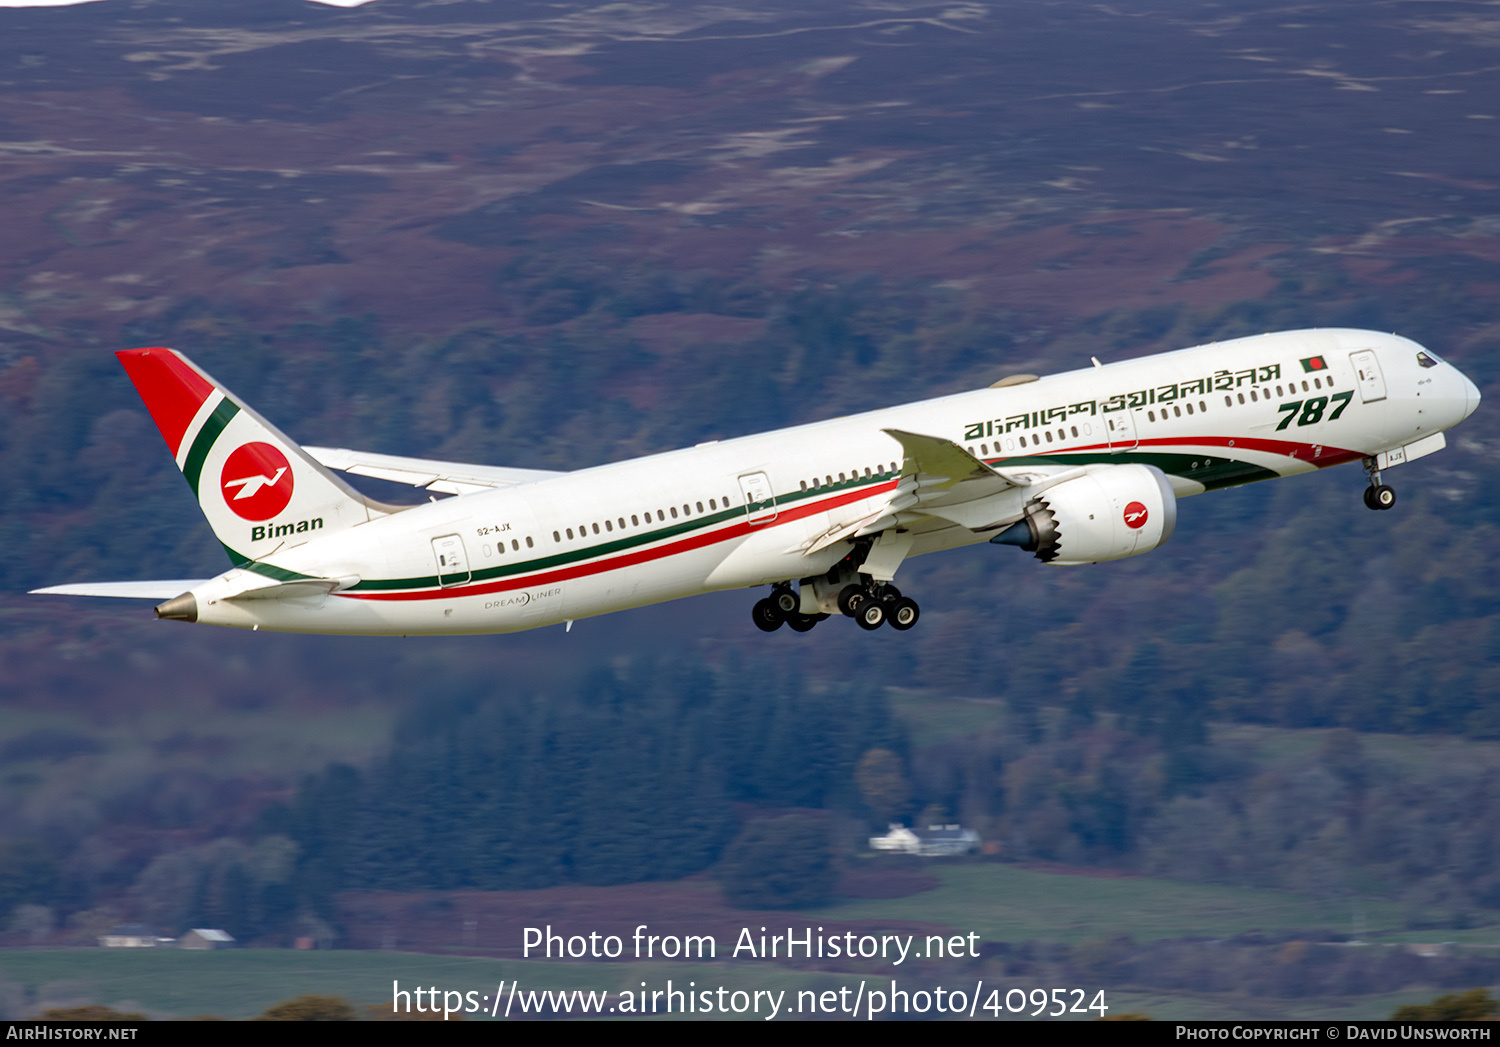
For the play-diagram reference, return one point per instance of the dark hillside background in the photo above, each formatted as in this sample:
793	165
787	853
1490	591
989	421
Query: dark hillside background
557	235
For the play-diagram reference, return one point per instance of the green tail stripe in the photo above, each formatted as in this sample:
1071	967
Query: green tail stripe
244	563
204	441
281	574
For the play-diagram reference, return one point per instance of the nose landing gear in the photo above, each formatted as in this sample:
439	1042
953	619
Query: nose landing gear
1377	495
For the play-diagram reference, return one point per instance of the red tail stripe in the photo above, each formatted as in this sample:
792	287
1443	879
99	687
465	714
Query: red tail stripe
171	389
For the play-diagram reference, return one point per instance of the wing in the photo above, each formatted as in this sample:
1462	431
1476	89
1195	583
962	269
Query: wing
940	479
447	477
163	590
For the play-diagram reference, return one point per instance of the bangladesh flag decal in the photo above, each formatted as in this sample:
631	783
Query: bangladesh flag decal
1314	363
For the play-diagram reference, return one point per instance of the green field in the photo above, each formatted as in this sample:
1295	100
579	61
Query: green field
1009	903
241	984
998	902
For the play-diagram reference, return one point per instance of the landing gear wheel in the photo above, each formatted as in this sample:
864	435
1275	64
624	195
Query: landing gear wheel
850	599
889	593
786	601
902	613
765	617
803	622
870	615
1380	497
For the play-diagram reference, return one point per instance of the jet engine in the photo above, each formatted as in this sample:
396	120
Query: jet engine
1108	514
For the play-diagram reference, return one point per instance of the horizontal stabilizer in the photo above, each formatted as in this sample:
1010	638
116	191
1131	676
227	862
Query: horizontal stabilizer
164	590
446	477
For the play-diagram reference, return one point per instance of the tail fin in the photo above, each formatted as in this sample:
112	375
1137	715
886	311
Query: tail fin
258	489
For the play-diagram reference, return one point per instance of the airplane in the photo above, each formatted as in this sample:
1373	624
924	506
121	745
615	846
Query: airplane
1080	467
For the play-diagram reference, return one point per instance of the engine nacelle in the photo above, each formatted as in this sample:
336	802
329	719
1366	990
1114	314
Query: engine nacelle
1108	514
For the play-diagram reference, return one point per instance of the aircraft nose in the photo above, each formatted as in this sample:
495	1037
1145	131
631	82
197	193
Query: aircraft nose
1471	395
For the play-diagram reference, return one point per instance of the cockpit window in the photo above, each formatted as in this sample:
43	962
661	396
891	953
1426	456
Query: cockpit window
1426	359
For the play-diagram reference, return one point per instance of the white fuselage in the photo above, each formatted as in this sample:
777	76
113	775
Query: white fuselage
743	512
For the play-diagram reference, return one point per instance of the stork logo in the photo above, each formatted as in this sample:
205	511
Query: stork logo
1135	515
256	481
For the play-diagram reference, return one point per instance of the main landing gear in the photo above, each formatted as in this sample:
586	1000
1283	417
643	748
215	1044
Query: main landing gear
1377	495
871	604
874	604
783	606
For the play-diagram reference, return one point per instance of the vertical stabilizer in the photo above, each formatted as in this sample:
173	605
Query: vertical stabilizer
259	490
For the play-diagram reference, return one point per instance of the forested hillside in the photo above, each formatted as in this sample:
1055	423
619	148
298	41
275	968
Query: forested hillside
561	235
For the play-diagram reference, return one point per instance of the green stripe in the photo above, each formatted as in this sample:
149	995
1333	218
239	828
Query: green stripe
1213	473
204	441
543	563
617	545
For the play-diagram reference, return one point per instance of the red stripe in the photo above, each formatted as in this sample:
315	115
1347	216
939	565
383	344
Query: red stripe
631	559
172	390
1314	454
1285	448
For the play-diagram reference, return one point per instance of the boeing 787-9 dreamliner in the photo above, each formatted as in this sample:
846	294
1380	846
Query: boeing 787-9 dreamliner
1075	468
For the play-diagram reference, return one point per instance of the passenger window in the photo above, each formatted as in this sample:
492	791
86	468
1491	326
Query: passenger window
528	542
1190	408
556	537
674	512
570	534
514	545
634	522
1075	434
608	526
1177	412
698	506
1150	416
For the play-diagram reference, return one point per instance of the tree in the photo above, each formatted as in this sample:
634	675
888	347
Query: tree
1455	1007
310	1009
779	863
882	783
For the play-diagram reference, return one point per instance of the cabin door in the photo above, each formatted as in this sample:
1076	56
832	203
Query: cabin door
1120	425
760	502
452	560
1367	374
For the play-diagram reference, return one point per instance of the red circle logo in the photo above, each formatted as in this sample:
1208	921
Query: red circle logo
1135	515
256	481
